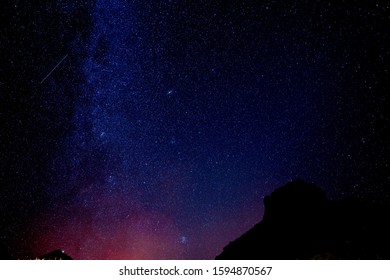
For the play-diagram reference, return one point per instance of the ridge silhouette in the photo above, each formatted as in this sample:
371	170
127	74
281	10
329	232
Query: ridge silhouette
55	255
300	222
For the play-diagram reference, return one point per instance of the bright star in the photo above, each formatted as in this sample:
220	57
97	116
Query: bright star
183	239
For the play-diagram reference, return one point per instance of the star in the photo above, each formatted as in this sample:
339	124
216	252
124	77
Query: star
170	92
183	239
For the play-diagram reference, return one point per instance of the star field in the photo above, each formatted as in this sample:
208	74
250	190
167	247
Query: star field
138	130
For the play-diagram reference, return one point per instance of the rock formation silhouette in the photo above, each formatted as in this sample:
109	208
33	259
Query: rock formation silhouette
55	255
301	223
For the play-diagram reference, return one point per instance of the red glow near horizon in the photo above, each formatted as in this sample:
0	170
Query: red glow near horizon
114	227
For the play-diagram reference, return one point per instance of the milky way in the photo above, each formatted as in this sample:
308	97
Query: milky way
154	130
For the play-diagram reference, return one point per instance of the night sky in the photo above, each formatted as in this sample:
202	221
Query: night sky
154	129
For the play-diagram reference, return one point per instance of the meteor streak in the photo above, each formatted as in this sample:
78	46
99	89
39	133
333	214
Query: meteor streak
55	67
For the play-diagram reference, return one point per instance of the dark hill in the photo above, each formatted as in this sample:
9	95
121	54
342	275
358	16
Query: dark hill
301	223
55	255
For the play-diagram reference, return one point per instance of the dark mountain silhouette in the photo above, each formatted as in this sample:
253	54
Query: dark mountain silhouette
301	223
55	255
